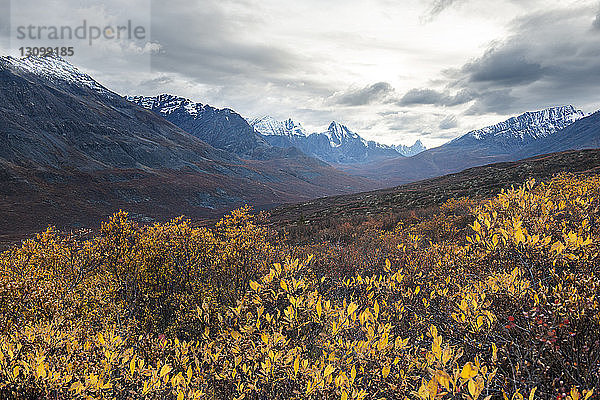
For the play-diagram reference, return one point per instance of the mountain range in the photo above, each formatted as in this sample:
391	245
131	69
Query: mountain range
72	152
263	137
337	145
529	134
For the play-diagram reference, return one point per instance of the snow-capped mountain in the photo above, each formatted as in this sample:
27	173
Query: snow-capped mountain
52	68
529	126
73	152
269	126
529	134
337	144
339	135
410	151
221	128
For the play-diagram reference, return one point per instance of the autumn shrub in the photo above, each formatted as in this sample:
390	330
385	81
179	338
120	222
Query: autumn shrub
494	299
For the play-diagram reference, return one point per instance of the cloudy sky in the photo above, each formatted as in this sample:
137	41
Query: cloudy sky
392	71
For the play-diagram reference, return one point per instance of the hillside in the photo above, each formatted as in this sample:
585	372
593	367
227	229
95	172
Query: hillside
477	182
493	299
72	152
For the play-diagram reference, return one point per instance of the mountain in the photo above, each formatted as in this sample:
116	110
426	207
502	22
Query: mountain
518	132
583	134
337	145
73	152
54	116
221	128
269	126
526	135
409	151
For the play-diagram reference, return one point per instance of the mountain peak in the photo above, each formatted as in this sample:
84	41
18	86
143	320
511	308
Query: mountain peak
339	134
269	126
410	151
532	124
53	68
166	104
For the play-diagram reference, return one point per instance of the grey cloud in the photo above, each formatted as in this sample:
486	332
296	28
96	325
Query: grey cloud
504	65
496	101
440	5
448	123
156	83
377	92
596	23
209	45
431	96
549	58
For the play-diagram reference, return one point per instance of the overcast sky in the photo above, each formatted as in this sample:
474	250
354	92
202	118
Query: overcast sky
393	71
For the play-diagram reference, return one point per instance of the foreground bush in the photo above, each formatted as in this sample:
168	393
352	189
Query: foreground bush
504	307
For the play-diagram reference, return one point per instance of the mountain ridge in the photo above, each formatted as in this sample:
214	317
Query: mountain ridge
508	140
72	153
337	144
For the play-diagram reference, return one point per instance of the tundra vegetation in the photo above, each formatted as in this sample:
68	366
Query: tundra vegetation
493	299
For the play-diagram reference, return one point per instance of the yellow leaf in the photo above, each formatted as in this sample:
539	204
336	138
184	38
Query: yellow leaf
41	371
532	393
254	285
132	365
165	370
180	395
353	373
328	370
469	371
352	307
443	379
344	395
283	285
472	388
296	365
265	338
319	308
385	371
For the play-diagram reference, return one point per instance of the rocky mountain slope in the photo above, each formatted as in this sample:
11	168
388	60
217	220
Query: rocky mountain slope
73	152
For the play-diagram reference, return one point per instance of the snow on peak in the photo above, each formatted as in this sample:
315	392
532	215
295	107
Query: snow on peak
532	125
269	126
410	151
53	68
167	104
338	134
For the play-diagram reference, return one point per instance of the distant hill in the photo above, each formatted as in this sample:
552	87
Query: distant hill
478	182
